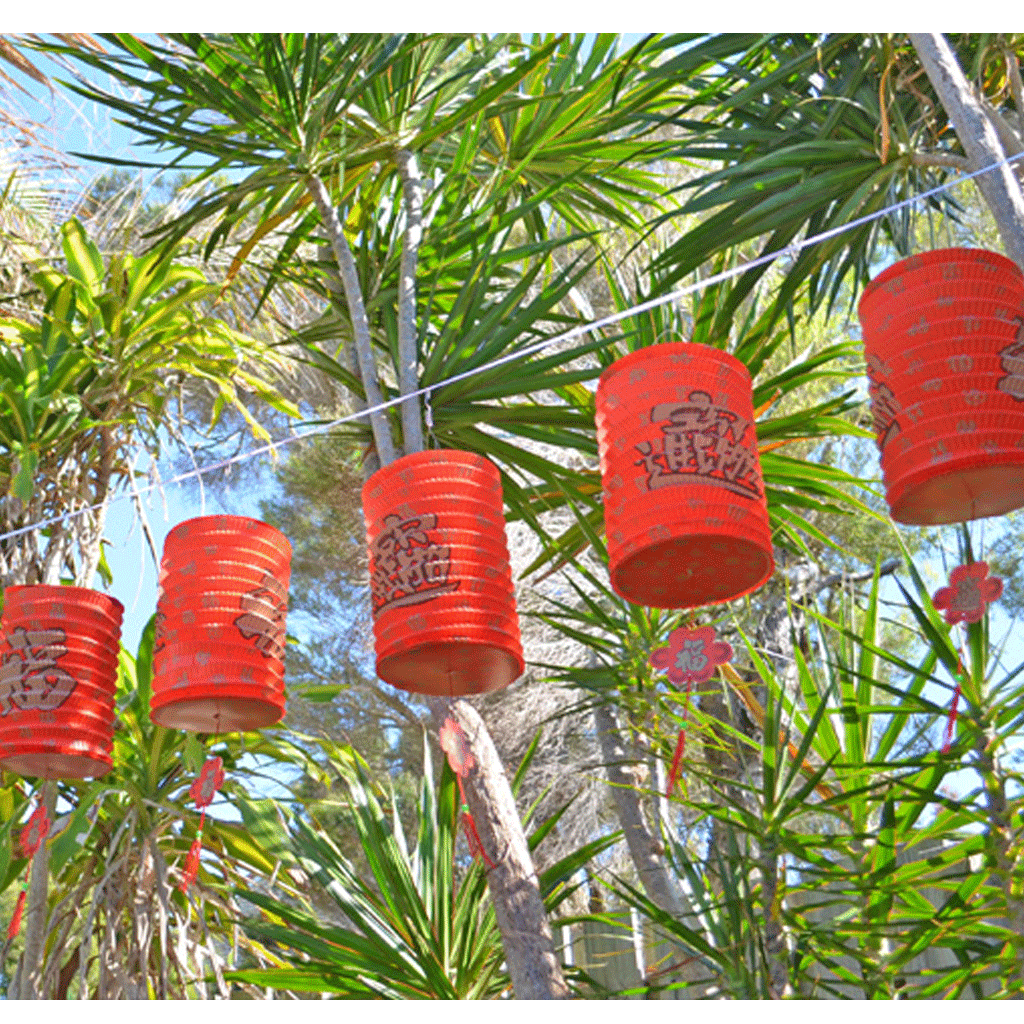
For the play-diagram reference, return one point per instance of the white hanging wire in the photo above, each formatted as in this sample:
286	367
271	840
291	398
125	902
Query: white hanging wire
792	249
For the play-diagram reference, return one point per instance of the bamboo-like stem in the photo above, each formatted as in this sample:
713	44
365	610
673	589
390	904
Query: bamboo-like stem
408	354
515	890
357	311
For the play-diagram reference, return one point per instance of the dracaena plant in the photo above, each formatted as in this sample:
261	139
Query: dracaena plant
839	863
96	375
118	924
418	924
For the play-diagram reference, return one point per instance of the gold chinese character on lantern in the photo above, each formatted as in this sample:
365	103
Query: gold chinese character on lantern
264	610
1011	362
30	678
702	442
407	566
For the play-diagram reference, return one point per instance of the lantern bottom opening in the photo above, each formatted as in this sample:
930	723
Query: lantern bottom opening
217	714
454	668
692	571
965	490
50	764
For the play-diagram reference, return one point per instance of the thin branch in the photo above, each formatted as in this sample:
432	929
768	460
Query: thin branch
978	137
960	163
357	311
1016	86
408	355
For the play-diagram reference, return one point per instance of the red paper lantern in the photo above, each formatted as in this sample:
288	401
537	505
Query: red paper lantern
58	678
218	658
684	503
944	345
444	611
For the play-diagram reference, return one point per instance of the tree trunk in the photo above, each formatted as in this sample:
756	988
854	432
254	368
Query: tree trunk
357	311
408	354
1000	187
645	847
515	891
30	974
514	887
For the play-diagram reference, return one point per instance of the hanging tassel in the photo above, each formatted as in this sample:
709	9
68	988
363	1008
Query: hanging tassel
461	761
15	925
951	721
677	762
203	790
32	836
476	847
191	869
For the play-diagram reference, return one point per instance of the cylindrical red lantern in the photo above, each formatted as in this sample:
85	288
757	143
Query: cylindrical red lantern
58	679
218	660
444	610
944	345
684	504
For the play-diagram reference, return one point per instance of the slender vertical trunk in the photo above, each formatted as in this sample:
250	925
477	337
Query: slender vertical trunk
408	354
645	847
514	887
30	974
1005	849
774	935
357	311
515	891
1000	187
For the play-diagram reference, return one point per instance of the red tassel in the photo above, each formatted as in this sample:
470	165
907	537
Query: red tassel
188	875
677	762
951	721
15	925
476	848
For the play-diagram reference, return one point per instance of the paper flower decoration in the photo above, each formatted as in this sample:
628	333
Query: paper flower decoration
211	778
36	829
692	655
970	590
456	748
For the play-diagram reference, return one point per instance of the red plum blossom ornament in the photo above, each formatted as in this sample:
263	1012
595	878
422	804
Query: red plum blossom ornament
970	590
455	744
692	655
34	832
211	778
203	790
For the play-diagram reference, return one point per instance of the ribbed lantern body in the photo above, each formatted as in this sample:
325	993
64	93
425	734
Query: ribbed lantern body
444	611
58	678
944	345
684	503
218	660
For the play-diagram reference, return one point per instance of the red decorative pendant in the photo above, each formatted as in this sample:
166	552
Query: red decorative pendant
684	504
691	657
202	791
969	593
